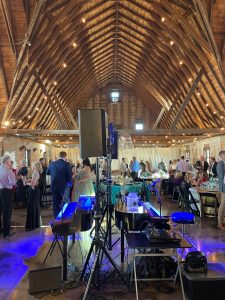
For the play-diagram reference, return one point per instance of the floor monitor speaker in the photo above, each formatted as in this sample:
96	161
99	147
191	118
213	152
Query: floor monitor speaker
93	126
47	279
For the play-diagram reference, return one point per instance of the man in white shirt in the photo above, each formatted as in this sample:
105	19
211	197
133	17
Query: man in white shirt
182	166
7	181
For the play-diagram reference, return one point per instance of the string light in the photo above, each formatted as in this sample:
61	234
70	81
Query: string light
166	137
207	104
190	79
74	44
198	94
181	63
37	108
55	83
6	123
83	20
222	128
20	121
171	42
29	116
71	138
64	65
14	123
214	112
221	117
163	19
46	97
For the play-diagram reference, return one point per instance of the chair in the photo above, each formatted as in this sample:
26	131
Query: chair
193	205
47	195
209	200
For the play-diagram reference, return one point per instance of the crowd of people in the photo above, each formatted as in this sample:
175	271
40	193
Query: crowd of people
182	173
19	190
73	180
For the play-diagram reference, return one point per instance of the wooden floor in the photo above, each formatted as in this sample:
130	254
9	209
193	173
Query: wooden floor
26	251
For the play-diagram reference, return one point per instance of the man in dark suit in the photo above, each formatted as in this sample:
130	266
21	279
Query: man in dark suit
213	167
61	174
221	174
202	165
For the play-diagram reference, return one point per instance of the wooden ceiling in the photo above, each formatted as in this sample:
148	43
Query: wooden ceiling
56	56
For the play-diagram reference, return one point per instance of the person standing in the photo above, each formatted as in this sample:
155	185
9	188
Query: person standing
7	181
135	169
124	167
83	184
61	174
21	189
201	165
213	167
221	175
182	166
162	166
42	180
33	200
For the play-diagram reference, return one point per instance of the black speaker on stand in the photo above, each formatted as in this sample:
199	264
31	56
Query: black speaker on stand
93	142
93	126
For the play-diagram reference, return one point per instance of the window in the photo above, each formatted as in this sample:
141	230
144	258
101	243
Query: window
115	96
187	154
27	157
206	153
139	125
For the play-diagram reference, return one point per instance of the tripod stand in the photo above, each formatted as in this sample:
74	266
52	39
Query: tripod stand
97	245
106	233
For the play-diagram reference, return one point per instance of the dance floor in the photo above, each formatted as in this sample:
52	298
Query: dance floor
26	250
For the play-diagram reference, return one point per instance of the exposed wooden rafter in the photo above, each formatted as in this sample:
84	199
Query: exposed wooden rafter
188	97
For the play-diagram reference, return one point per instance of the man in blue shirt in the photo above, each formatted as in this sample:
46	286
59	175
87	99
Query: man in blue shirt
61	174
135	169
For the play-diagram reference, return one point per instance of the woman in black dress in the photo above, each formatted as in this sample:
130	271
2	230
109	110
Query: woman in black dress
21	189
33	203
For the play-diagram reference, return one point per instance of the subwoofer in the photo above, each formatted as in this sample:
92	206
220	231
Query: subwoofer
93	126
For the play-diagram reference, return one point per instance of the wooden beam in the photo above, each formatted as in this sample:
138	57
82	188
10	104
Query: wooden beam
5	84
50	102
8	23
188	97
72	118
172	107
27	11
30	32
157	131
159	118
31	132
204	22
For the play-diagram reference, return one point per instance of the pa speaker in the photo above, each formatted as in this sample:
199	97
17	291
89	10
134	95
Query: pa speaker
93	126
48	279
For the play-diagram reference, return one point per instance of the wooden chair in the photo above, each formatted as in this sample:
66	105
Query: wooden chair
209	200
